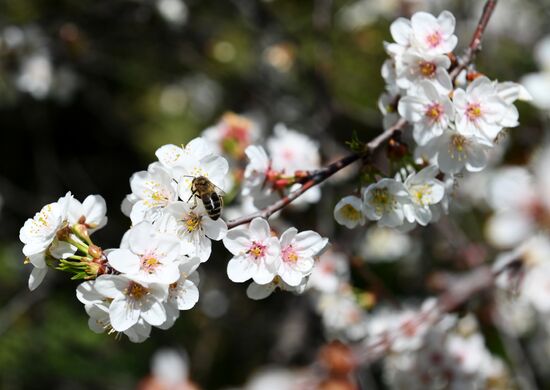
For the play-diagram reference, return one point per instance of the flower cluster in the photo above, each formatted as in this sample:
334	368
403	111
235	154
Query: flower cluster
154	268
395	202
61	230
151	276
270	261
453	128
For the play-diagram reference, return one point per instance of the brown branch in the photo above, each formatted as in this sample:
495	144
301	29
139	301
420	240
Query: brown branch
475	43
319	176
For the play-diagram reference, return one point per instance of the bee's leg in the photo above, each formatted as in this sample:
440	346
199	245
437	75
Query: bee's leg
194	196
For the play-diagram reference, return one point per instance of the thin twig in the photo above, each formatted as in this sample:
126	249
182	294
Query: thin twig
475	43
318	176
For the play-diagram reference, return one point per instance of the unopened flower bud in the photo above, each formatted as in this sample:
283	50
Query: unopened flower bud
95	251
337	358
397	149
282	183
472	75
301	174
82	231
271	175
94	269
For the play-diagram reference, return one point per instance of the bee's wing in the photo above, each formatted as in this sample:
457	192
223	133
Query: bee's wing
219	190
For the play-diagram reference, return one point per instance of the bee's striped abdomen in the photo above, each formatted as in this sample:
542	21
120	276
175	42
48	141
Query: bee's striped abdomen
213	205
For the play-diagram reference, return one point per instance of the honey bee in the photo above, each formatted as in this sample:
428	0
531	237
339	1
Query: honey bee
207	192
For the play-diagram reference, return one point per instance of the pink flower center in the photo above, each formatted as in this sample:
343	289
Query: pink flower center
434	111
257	250
149	263
427	68
327	268
289	254
288	154
473	111
434	39
408	328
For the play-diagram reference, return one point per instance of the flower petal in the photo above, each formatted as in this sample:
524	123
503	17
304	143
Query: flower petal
122	314
257	292
36	277
240	269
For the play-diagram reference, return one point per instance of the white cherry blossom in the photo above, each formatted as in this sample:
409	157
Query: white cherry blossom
97	307
195	229
330	272
434	35
512	193
425	33
481	112
349	212
92	212
171	156
149	257
428	109
415	67
385	245
152	191
256	254
132	301
182	294
297	252
291	150
342	315
38	233
425	191
453	151
383	202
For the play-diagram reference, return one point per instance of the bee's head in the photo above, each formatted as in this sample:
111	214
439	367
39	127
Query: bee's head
201	182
